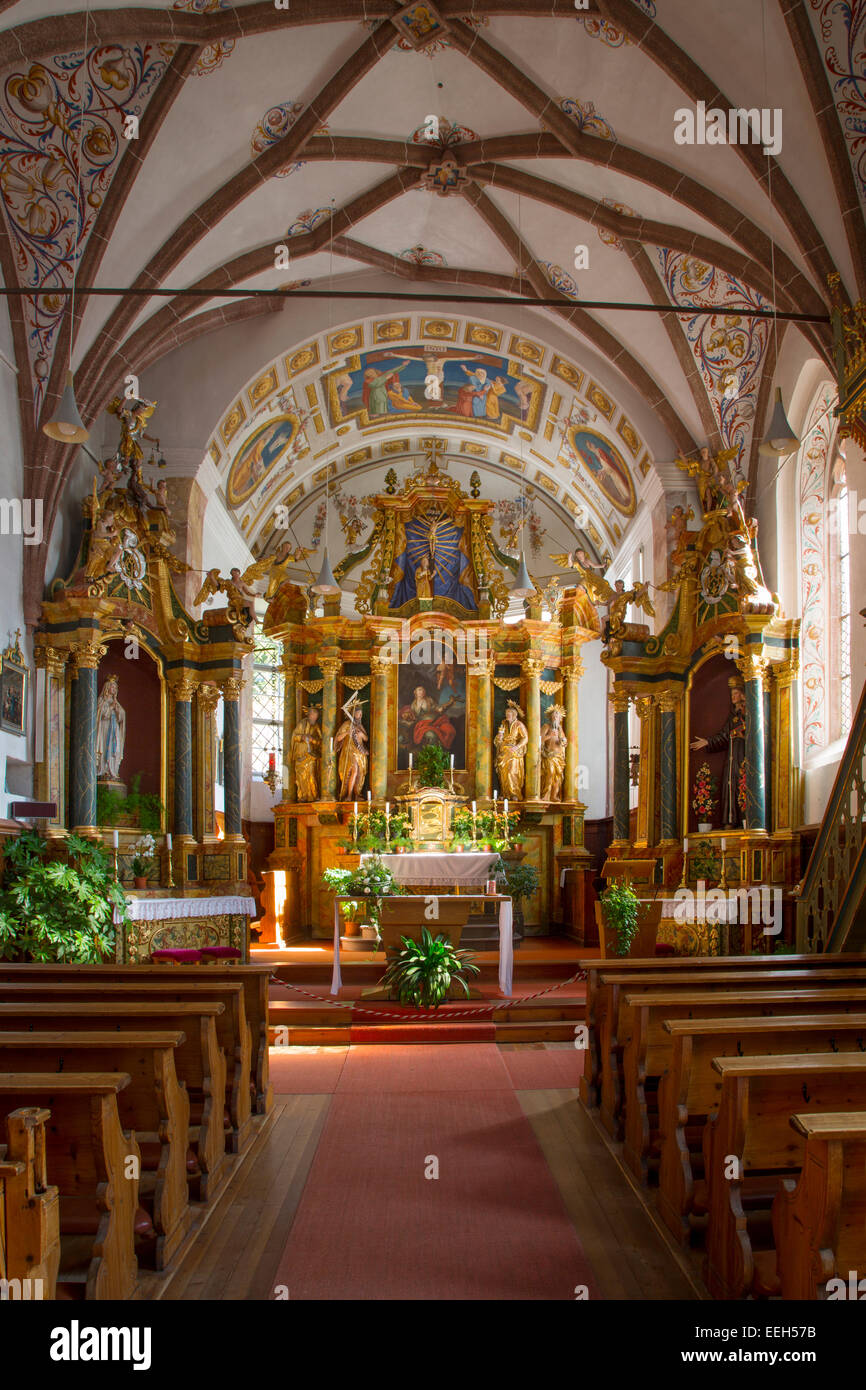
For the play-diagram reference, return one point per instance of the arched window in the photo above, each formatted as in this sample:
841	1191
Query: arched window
267	703
825	589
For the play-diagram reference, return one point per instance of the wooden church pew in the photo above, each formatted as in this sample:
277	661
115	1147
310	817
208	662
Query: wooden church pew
819	1221
155	1107
648	1051
597	998
750	1134
200	1060
86	1159
690	1087
232	1027
29	1207
615	1026
254	978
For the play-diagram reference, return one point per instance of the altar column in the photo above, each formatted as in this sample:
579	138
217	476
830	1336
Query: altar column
668	701
231	690
752	669
329	666
82	743
532	668
571	676
379	667
644	831
290	721
620	704
482	671
50	767
182	691
206	700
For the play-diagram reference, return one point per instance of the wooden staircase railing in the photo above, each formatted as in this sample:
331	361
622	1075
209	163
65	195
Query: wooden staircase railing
831	912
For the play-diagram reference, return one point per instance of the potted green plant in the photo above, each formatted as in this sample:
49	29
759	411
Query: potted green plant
59	909
422	973
143	851
369	883
135	808
522	882
626	926
432	764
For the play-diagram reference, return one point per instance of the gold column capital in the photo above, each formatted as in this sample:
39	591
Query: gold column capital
330	665
50	659
182	687
752	667
231	687
207	697
483	667
667	701
532	665
88	653
291	671
575	670
380	665
620	701
645	704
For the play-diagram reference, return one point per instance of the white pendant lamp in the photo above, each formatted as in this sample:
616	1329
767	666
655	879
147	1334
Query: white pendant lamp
780	440
66	425
326	583
523	586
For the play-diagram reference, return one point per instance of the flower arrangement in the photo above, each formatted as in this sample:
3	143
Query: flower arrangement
704	793
491	828
143	851
432	764
375	832
371	881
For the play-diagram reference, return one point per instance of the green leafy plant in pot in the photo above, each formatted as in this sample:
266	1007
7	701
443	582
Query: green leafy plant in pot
422	972
522	882
621	908
59	909
432	764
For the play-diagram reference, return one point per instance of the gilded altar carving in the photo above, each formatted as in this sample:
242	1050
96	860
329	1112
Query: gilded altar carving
306	752
553	749
510	744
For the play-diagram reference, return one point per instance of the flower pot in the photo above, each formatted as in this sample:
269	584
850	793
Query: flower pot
704	827
369	933
643	944
140	880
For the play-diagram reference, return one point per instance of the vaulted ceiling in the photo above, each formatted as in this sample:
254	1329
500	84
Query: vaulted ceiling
525	130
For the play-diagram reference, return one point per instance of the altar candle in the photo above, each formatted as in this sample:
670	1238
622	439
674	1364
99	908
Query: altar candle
387	808
369	796
356	810
410	762
723	844
495	796
506	805
114	839
452	762
168	841
685	846
473	808
332	748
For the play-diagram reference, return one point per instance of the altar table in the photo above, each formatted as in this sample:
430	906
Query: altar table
172	923
427	867
506	942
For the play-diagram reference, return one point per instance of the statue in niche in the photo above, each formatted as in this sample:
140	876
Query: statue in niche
306	750
350	742
732	736
423	578
553	746
510	743
110	732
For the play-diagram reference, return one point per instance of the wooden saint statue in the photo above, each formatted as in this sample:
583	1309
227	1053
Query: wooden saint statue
306	750
553	746
350	742
510	743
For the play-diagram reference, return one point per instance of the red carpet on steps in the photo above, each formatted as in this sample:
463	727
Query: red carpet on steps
371	1226
311	1071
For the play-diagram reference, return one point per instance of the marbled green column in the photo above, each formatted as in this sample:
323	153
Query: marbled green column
620	766
482	673
290	723
231	690
329	666
532	668
668	766
756	788
82	754
379	729
183	691
571	677
768	756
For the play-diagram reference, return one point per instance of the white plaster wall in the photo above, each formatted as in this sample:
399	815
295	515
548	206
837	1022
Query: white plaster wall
593	749
16	751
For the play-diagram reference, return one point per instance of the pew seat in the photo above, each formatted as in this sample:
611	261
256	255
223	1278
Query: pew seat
29	1207
87	1159
819	1219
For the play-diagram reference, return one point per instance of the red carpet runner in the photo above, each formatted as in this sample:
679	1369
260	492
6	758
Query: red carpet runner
371	1226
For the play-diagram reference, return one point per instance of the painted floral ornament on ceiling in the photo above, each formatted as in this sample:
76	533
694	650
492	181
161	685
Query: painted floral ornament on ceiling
843	38
406	42
559	279
274	125
307	221
607	32
439	131
729	347
40	132
587	119
421	255
610	238
213	54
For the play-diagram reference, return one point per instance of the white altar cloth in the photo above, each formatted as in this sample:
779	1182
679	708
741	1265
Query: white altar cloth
473	867
171	909
506	941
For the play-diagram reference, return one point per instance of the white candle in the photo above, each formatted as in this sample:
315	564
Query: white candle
685	846
452	762
410	762
724	845
114	839
356	810
473	808
332	746
369	795
387	808
495	796
506	805
168	842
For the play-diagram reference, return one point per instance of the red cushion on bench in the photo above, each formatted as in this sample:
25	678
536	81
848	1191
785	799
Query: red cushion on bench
221	952
190	954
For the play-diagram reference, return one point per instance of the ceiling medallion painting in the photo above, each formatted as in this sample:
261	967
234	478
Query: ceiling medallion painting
421	380
420	255
270	444
213	54
439	131
559	279
40	131
421	37
446	178
274	125
603	463
587	119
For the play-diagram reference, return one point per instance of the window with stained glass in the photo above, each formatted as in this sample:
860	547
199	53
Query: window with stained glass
267	703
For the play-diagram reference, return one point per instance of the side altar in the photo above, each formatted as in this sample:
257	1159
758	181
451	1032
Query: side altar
427	670
131	690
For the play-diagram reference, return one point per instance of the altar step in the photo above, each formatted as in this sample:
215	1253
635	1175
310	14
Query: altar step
310	1024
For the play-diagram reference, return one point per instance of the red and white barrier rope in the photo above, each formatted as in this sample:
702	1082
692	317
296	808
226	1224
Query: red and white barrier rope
418	1016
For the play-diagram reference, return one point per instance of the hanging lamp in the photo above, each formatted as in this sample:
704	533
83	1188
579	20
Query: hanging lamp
66	424
780	439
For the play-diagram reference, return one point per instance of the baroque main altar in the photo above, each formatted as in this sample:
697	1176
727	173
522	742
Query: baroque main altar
428	662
